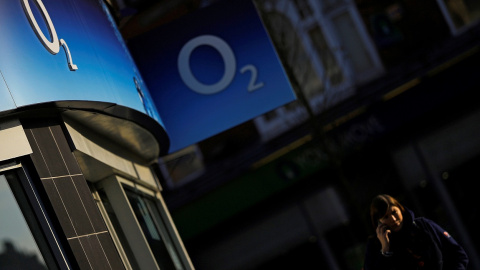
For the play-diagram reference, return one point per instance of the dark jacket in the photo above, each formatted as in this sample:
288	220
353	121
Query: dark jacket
420	244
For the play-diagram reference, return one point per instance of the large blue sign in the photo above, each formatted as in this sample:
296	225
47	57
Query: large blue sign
210	71
65	50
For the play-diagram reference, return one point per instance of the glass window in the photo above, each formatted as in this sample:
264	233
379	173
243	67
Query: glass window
154	230
352	42
107	206
140	225
329	62
18	249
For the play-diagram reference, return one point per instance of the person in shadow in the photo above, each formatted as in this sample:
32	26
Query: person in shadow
404	242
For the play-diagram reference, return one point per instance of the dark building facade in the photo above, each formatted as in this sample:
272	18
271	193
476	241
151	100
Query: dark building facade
386	104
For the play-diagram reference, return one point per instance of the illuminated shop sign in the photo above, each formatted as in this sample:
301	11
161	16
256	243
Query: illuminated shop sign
94	66
211	70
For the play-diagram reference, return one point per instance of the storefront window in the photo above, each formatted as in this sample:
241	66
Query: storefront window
154	230
107	206
18	249
140	225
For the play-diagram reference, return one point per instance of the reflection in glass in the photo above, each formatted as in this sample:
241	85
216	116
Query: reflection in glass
19	249
352	42
154	230
329	62
118	229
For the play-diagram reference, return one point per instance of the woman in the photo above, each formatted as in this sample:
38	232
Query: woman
405	242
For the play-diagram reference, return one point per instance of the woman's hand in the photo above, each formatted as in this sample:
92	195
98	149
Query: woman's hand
383	233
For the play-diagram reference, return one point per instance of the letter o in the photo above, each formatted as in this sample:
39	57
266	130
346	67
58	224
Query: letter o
186	73
52	46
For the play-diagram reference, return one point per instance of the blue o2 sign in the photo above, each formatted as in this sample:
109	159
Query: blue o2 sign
37	65
210	71
228	58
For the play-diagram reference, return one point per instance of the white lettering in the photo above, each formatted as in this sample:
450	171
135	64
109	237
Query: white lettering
186	73
53	46
229	60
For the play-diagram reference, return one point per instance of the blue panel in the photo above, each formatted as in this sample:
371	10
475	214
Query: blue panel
6	101
35	74
199	70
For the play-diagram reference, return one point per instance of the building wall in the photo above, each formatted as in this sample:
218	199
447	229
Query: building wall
70	196
86	206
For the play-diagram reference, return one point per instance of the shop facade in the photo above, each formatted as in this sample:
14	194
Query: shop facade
79	144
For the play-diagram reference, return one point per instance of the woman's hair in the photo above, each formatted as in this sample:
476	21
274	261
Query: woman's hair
379	206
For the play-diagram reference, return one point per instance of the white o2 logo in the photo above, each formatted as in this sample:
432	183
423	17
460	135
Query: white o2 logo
226	52
52	46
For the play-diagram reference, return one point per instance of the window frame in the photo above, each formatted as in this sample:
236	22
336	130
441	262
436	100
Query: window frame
331	93
154	212
114	188
42	227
